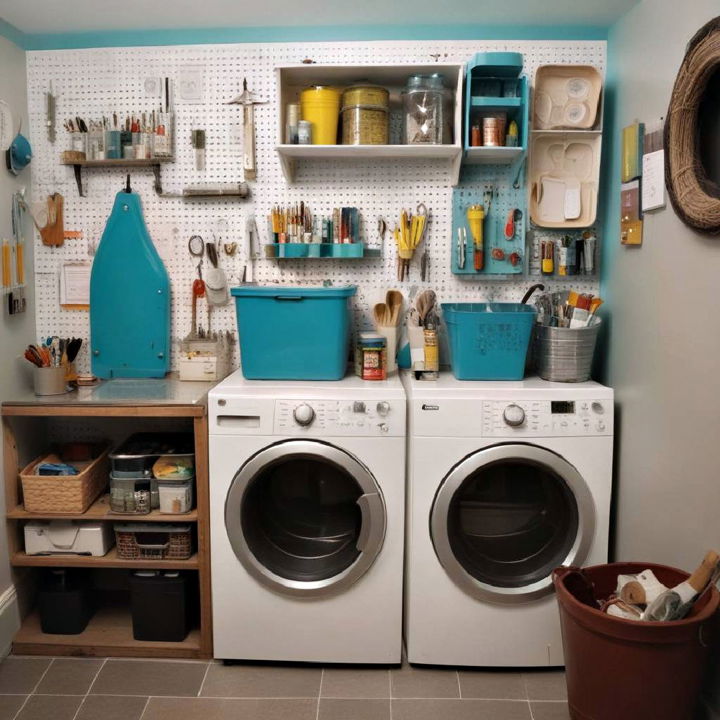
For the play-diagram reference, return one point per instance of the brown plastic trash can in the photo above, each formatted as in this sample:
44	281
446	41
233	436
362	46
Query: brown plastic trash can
626	670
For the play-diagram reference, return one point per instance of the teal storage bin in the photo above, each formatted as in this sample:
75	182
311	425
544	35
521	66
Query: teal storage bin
293	333
488	341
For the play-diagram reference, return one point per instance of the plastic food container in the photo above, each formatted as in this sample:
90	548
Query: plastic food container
176	497
132	496
137	455
320	105
293	333
174	467
488	341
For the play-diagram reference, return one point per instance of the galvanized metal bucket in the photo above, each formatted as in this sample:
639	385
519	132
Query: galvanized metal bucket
565	354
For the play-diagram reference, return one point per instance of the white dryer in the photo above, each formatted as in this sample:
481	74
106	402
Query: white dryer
307	493
507	480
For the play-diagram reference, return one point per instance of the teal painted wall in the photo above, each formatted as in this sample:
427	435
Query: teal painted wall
342	33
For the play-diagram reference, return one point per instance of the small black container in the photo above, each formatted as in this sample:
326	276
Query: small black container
65	602
162	605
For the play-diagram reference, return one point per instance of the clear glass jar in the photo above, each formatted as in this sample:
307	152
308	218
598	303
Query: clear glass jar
427	111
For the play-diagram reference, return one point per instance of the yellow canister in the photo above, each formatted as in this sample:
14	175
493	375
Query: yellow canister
320	105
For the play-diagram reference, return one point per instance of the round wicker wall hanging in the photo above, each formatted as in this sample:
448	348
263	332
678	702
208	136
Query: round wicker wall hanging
695	197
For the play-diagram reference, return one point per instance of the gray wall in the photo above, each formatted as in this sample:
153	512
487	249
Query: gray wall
664	342
16	331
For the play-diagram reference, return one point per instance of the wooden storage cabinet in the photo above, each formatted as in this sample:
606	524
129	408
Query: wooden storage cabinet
109	632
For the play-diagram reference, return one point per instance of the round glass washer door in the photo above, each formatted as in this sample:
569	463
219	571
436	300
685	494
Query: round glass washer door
305	518
504	518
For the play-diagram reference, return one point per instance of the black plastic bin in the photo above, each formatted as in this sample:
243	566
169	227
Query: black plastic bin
65	602
162	605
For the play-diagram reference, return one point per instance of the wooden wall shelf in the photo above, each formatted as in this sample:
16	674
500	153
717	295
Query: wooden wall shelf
109	632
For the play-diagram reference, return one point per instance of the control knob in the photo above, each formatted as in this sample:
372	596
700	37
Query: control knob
383	408
514	415
304	415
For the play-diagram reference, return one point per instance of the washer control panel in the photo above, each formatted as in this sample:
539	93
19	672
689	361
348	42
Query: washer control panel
340	417
532	418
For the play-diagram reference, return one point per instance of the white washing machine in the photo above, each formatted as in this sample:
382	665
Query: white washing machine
507	480
307	494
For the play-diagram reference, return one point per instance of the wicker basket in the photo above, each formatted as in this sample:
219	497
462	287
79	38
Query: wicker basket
142	541
65	493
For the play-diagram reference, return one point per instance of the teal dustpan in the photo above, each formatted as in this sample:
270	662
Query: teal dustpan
129	298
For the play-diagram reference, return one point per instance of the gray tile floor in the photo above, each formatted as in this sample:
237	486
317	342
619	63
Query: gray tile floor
114	689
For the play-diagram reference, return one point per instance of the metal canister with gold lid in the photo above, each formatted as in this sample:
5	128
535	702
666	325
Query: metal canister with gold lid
365	115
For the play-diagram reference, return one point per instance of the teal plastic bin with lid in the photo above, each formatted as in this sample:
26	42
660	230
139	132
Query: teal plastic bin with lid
292	333
488	341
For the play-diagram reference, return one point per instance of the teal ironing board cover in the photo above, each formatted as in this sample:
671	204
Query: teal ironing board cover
129	298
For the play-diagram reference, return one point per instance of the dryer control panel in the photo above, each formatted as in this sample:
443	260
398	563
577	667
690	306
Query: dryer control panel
377	418
546	418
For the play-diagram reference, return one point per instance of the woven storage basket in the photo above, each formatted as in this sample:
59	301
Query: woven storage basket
65	493
158	542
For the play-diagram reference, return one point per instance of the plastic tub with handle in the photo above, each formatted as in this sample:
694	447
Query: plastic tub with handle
293	333
488	341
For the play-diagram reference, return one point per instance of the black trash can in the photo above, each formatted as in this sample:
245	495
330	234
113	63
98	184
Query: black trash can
65	602
162	605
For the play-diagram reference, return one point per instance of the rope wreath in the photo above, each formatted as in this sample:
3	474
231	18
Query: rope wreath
695	197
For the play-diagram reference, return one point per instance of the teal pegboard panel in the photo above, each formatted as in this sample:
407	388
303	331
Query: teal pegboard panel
509	194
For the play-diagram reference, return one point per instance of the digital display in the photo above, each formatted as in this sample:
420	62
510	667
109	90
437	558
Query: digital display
562	408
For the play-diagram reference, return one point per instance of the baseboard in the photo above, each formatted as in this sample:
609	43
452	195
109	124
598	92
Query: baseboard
9	619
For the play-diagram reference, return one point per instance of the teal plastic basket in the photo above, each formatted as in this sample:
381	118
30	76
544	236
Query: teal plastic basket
293	333
488	341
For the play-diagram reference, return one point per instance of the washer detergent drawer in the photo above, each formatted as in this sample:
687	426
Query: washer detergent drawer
231	416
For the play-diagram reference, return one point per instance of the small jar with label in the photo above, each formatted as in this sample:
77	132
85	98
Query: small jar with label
371	356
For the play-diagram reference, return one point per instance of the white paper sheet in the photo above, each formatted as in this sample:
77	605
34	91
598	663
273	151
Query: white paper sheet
653	181
75	284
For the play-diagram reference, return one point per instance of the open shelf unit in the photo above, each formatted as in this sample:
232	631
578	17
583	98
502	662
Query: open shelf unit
291	79
110	630
110	560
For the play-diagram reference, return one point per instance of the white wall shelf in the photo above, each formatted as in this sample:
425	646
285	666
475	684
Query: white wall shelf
482	155
291	79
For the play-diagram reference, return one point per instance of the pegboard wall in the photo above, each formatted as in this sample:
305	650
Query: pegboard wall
97	82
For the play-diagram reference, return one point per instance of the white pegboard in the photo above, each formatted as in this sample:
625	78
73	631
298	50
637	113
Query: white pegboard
96	82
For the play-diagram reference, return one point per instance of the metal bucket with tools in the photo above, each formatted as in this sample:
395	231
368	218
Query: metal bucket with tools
565	354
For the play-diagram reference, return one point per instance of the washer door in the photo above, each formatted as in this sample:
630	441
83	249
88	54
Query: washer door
305	518
504	518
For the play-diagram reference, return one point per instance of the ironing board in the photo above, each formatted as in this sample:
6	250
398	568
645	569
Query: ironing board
129	298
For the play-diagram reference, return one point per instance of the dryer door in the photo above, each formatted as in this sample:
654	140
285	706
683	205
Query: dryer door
305	518
506	516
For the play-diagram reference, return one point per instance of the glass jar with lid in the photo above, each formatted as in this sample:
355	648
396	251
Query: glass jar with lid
427	110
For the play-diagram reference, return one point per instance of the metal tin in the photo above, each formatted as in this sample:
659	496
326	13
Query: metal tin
365	125
371	356
304	132
365	94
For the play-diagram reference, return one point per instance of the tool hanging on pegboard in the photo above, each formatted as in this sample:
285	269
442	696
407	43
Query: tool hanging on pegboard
248	100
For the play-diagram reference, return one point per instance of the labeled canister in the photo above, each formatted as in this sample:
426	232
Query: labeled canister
320	105
304	132
292	117
365	115
371	356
